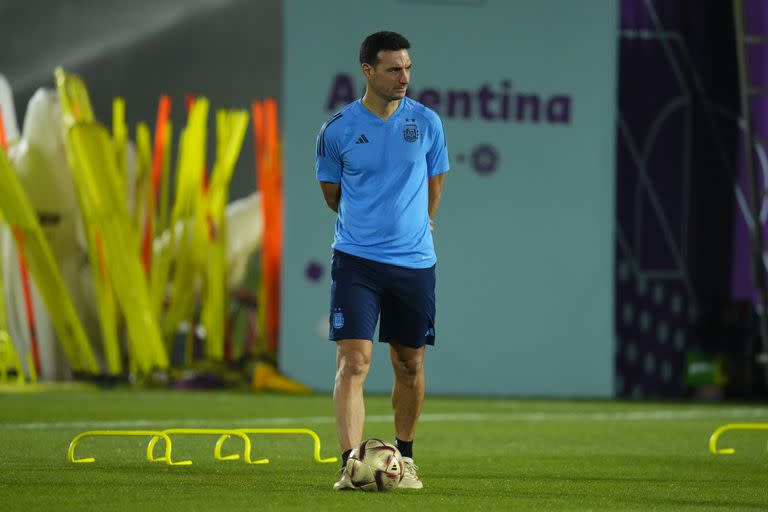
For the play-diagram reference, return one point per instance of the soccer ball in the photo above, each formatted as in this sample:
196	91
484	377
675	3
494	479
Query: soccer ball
375	466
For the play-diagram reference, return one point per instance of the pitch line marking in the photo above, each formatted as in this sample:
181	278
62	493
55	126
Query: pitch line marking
650	415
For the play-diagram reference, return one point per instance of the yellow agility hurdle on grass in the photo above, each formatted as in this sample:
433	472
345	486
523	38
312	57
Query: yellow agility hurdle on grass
125	433
731	426
224	433
286	431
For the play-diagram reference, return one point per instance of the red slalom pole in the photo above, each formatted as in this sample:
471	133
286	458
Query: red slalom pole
27	287
24	271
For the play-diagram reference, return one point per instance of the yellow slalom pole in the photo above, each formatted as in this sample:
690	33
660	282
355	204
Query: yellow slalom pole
73	97
105	297
232	127
161	263
89	149
186	215
142	185
120	139
32	369
91	156
235	125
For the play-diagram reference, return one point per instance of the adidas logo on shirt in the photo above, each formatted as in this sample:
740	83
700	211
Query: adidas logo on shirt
362	140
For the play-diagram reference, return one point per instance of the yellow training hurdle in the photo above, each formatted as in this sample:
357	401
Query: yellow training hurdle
131	433
284	431
731	426
224	434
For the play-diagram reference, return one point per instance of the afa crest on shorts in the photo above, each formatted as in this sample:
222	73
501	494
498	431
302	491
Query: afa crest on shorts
410	131
338	320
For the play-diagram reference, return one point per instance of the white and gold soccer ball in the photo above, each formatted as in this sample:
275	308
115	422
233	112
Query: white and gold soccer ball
375	465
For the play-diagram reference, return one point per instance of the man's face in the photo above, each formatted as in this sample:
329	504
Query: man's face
389	78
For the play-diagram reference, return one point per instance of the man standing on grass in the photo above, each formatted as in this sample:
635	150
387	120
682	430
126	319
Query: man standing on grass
380	163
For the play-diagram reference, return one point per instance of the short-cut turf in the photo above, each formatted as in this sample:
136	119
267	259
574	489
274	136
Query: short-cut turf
474	454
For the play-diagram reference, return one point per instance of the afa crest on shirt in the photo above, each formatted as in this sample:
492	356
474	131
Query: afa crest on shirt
411	131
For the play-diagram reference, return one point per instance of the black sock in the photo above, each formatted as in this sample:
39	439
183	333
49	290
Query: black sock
344	457
405	447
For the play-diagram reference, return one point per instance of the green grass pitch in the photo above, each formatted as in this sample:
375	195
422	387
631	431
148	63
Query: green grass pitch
474	454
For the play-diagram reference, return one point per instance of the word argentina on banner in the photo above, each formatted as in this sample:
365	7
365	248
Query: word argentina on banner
485	102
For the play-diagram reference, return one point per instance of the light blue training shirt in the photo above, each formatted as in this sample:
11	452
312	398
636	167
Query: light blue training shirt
383	168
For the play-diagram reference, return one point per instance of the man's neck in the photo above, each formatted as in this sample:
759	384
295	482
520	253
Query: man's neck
379	106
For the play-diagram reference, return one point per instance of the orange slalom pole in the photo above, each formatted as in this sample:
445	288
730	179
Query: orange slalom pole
262	159
260	317
257	109
163	112
269	233
3	139
272	222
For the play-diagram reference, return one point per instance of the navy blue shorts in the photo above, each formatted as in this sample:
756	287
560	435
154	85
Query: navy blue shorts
363	289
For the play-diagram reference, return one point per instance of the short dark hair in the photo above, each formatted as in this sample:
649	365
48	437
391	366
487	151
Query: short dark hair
374	43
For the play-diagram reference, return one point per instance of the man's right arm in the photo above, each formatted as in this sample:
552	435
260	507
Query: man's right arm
332	194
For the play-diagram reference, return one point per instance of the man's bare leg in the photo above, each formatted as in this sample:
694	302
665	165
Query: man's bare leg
353	359
407	398
408	390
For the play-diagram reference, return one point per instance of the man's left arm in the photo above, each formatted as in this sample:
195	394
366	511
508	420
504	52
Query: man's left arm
437	166
435	186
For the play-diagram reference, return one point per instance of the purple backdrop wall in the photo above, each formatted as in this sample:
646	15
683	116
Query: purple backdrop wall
676	147
742	285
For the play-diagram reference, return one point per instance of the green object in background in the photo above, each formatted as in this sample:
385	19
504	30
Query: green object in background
704	370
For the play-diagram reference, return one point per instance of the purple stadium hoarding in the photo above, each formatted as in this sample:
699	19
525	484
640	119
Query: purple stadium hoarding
676	144
742	284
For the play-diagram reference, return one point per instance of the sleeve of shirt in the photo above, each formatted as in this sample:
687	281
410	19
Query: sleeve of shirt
437	156
328	163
